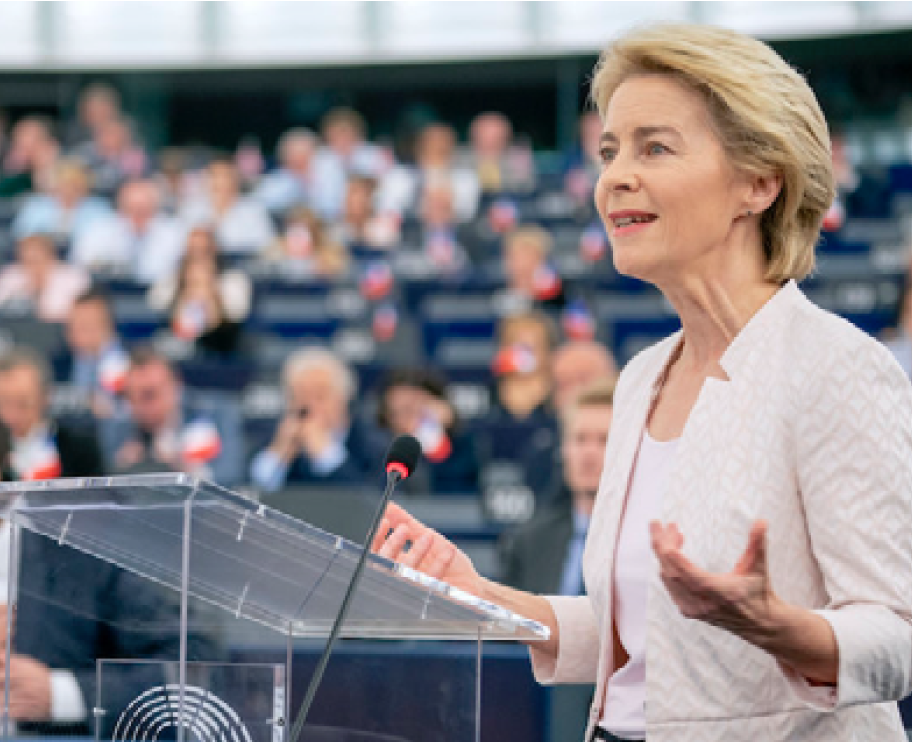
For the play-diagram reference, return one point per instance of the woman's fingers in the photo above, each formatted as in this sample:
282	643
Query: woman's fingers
393	546
383	531
418	551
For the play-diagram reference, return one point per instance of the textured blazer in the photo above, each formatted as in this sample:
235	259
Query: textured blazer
811	431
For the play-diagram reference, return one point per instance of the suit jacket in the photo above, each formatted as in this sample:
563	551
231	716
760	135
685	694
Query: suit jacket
80	455
73	609
811	431
533	555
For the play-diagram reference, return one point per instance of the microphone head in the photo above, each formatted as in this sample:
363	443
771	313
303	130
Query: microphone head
403	456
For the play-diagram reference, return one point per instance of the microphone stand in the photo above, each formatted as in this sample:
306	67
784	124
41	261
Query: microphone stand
393	477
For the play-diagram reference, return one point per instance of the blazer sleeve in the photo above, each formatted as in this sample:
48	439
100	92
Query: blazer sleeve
854	466
578	640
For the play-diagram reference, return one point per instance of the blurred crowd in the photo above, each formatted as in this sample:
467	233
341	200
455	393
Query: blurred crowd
153	300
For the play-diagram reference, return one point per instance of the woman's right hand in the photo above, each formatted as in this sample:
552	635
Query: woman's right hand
429	552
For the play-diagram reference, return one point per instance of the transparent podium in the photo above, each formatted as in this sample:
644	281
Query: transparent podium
162	607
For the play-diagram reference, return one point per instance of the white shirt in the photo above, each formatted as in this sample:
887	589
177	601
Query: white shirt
625	694
147	257
245	228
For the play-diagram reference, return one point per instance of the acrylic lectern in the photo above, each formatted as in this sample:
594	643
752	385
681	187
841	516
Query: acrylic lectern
168	608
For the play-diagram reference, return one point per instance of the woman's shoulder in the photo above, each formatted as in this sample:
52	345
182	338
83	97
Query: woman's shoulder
647	362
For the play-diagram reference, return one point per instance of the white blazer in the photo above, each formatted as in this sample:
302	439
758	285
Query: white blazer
812	432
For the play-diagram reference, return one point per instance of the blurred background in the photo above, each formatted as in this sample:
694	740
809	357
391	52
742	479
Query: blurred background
254	241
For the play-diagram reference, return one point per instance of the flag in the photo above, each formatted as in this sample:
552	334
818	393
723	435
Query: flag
112	371
514	359
377	281
435	444
593	244
441	249
190	320
200	442
546	283
835	216
385	321
579	324
41	461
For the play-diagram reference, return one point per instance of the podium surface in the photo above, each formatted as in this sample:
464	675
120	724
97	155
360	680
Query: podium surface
191	575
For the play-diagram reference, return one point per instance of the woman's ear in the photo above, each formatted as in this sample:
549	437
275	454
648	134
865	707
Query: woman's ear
764	190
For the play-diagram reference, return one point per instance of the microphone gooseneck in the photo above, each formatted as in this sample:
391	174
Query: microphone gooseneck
401	460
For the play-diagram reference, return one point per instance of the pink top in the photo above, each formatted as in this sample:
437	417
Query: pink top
625	694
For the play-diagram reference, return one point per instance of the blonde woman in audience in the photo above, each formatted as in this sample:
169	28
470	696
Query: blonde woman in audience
306	249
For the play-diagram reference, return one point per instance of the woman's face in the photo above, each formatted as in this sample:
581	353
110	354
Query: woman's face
664	167
405	407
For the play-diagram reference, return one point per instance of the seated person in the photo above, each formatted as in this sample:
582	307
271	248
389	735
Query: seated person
303	178
414	402
521	415
206	303
316	441
306	249
28	164
575	365
499	163
67	211
42	447
242	225
164	428
528	274
544	555
99	361
583	163
71	610
361	225
39	283
403	187
113	156
139	241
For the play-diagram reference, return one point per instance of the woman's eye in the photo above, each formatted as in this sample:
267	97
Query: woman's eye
608	155
655	148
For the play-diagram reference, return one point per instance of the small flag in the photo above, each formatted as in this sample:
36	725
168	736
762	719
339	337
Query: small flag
835	216
546	283
579	324
579	184
190	320
441	249
503	215
593	244
385	321
434	441
41	461
514	359
112	371
377	281
200	442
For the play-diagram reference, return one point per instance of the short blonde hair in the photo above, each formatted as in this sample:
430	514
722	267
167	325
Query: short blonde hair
530	233
599	393
765	115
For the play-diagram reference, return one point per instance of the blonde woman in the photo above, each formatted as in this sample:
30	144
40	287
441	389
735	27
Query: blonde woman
749	562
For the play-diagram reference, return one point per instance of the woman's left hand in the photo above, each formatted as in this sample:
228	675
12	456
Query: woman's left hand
741	601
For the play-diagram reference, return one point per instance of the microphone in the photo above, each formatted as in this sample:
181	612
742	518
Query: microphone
401	460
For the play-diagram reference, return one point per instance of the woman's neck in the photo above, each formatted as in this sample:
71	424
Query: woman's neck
713	311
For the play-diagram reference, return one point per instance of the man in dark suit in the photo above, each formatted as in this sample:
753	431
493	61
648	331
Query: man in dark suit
165	428
316	441
72	609
545	554
42	448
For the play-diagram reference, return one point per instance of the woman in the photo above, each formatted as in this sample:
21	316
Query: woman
305	249
206	304
751	544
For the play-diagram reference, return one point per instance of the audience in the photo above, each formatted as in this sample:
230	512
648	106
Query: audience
98	105
317	441
67	211
415	402
165	428
42	447
500	165
39	283
29	161
139	241
345	134
242	224
361	225
99	361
